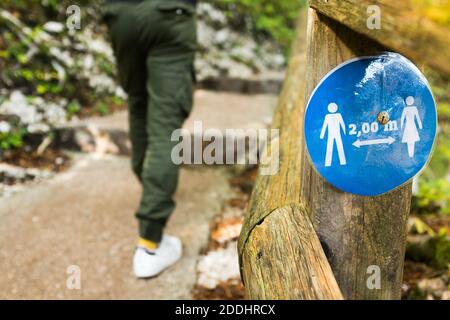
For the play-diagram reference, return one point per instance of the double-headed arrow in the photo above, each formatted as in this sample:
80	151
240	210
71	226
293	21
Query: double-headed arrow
358	143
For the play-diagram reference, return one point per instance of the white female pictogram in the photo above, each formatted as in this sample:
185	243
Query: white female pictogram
333	123
408	122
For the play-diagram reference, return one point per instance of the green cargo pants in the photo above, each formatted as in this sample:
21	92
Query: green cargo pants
154	42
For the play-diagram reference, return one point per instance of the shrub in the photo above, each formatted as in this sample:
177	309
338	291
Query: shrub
265	17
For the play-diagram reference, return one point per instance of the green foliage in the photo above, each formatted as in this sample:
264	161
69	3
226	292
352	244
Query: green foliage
52	64
440	162
11	140
29	63
434	187
421	227
433	250
434	195
73	108
102	108
444	111
273	18
34	12
441	243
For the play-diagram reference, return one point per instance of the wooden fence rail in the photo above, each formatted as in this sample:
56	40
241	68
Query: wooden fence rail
295	218
410	27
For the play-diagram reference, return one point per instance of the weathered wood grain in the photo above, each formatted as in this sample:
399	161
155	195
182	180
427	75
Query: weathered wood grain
356	232
265	215
275	191
405	27
283	259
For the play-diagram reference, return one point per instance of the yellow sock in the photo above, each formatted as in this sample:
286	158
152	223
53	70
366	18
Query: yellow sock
147	244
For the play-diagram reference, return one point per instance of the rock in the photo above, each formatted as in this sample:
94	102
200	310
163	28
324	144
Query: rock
218	266
38	128
431	285
222	36
205	34
434	250
34	113
63	56
53	27
90	138
225	52
206	11
446	295
5	127
86	56
433	288
18	105
55	114
10	175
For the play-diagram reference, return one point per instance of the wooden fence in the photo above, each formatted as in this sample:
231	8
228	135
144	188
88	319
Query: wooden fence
302	238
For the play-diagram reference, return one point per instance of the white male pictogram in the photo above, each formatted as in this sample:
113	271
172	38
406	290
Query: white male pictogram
333	123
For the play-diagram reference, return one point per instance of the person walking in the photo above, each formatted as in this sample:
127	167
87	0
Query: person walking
154	42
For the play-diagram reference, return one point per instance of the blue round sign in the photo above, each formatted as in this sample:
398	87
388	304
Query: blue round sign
370	124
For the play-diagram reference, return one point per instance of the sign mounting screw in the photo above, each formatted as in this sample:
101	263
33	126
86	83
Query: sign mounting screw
383	117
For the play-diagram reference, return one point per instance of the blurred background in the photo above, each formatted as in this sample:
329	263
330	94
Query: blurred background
59	100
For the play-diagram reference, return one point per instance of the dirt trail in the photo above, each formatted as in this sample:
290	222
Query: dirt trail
84	217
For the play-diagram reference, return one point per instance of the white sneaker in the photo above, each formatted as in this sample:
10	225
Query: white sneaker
148	264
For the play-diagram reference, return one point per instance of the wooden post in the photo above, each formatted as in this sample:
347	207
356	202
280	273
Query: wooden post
280	254
360	235
363	237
